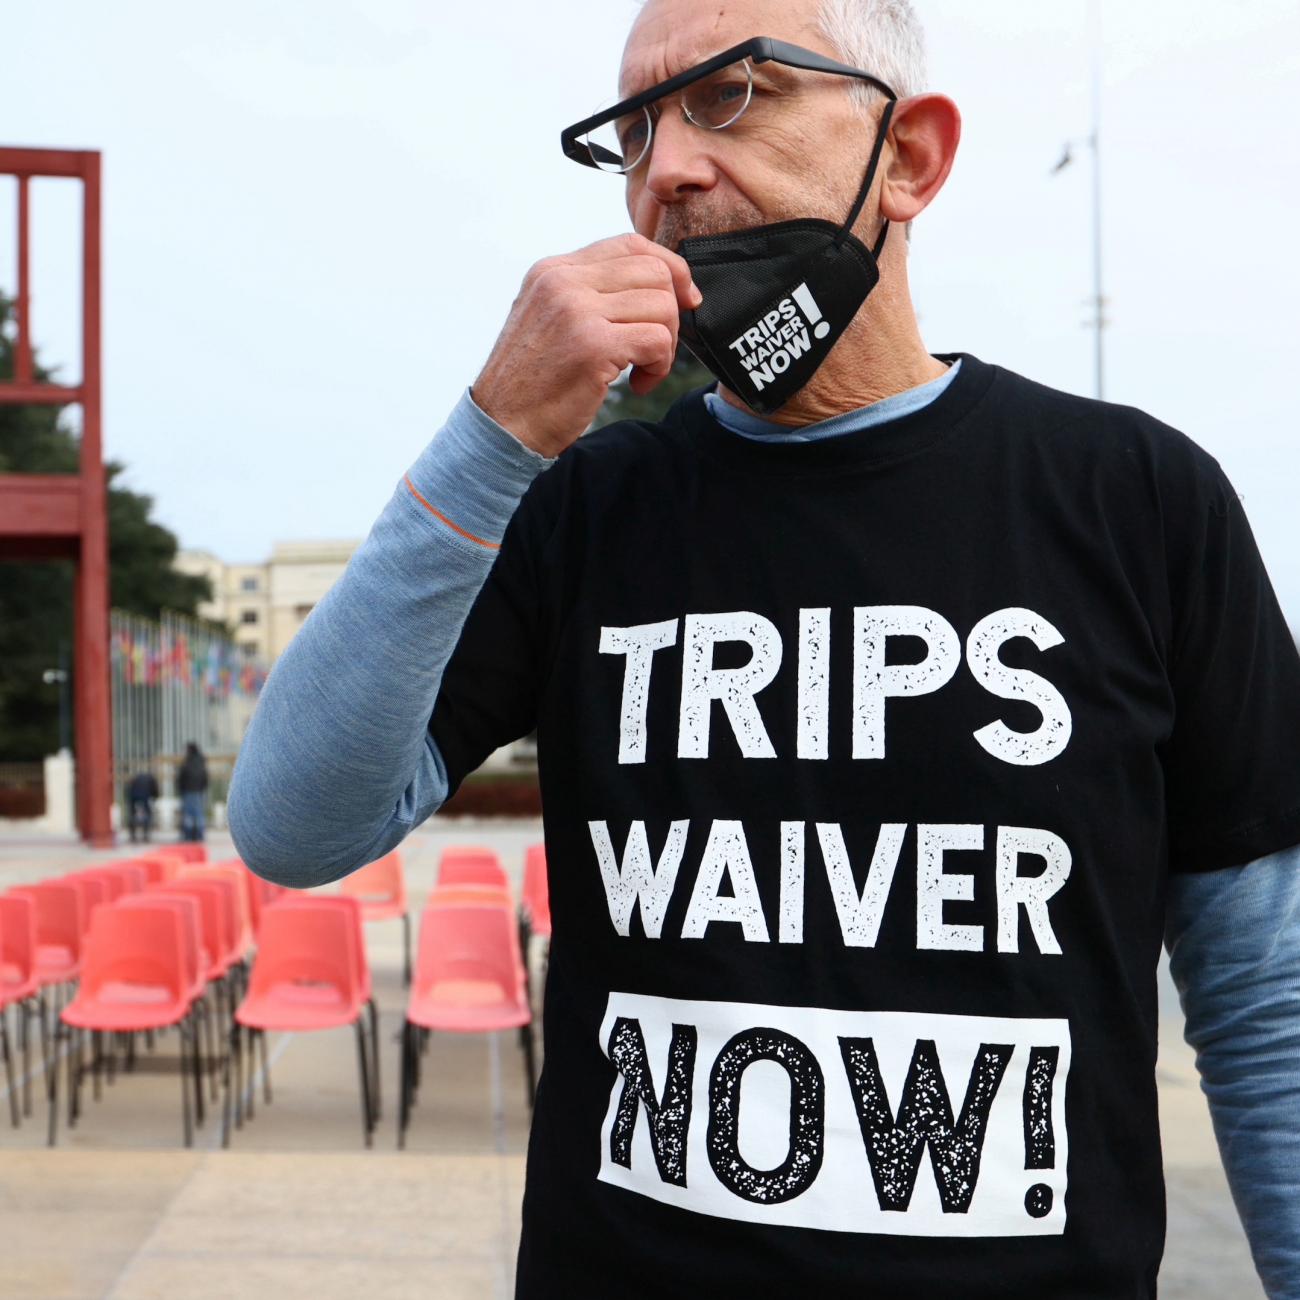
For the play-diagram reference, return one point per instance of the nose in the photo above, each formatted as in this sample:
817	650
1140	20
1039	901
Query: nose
679	162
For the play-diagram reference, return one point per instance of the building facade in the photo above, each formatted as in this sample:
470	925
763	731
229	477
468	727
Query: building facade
265	604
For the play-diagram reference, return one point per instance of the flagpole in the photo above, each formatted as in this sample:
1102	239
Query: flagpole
1095	7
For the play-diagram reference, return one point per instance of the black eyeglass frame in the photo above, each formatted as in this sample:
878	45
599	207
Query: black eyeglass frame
758	49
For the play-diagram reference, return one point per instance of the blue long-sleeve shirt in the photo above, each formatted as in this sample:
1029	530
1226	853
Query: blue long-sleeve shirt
338	766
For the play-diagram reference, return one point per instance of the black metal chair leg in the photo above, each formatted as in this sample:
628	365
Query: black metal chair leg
374	1061
197	1064
227	1066
405	1085
527	1032
185	1029
214	1055
76	1045
97	1063
9	1065
25	1040
367	1114
406	949
52	1086
266	1067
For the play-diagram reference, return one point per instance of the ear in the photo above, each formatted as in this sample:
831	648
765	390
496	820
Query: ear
922	145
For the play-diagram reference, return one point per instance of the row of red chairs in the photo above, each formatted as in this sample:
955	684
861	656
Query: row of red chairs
171	933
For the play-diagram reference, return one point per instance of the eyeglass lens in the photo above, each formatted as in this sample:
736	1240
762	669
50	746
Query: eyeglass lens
713	103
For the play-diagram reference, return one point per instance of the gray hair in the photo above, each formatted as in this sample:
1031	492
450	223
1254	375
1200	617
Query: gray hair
884	38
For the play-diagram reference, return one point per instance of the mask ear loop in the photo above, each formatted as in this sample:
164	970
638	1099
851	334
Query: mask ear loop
865	188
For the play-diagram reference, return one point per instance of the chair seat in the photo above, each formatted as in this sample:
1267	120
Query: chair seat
54	963
467	1006
295	1005
120	1005
385	909
13	987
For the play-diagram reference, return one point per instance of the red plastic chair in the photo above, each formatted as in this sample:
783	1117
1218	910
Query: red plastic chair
305	977
471	866
239	877
468	896
93	893
137	975
380	888
352	909
113	886
187	852
133	875
468	980
20	987
260	893
60	927
160	866
536	895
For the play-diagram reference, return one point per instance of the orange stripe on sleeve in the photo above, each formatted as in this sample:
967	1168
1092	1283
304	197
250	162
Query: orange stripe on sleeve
455	528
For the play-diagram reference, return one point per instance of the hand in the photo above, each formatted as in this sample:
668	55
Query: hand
579	321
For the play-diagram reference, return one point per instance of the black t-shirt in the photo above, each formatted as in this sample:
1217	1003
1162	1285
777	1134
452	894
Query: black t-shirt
863	764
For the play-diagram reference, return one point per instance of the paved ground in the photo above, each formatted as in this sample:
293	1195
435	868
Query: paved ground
297	1207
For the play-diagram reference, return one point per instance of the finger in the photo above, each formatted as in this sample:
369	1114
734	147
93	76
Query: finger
633	245
647	346
630	306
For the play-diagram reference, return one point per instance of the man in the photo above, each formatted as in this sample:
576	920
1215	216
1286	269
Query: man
192	785
880	736
141	790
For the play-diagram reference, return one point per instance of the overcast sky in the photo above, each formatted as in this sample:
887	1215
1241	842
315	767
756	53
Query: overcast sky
317	215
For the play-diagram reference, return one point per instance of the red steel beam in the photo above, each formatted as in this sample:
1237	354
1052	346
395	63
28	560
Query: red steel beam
44	162
42	516
40	505
23	352
94	718
38	394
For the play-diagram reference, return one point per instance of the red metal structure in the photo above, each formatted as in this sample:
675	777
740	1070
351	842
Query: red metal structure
64	516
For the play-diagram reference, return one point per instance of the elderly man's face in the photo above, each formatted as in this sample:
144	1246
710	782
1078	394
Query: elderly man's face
799	151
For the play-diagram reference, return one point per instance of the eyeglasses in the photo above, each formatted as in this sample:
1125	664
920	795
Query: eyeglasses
714	95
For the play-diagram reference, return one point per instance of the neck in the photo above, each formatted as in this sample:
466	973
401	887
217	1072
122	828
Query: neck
879	355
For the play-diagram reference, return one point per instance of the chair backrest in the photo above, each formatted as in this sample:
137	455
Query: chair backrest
60	915
136	944
212	929
114	885
185	852
471	866
259	893
302	943
191	929
160	866
469	943
18	938
133	875
536	892
93	892
349	908
468	896
239	877
380	881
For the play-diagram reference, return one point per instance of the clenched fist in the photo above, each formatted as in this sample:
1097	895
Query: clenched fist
579	321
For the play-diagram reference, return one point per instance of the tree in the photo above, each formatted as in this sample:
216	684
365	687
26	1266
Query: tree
36	598
623	404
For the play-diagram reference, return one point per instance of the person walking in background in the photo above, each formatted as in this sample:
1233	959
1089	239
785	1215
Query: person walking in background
141	791
192	783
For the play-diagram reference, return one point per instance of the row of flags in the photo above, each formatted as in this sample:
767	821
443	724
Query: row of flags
220	669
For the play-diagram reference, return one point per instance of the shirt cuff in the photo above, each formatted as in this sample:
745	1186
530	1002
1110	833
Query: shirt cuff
473	474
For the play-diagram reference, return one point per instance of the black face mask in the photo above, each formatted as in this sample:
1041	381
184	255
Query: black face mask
777	298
